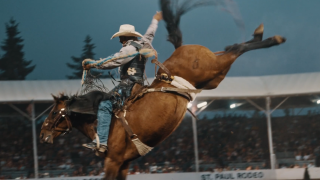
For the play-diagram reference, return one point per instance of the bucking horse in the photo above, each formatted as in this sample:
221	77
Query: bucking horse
152	113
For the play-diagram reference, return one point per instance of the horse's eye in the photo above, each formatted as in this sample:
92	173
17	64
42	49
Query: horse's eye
54	113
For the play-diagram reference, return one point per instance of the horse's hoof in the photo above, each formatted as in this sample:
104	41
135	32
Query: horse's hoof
279	39
259	30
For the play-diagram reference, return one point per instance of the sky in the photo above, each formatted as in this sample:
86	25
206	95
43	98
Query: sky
53	31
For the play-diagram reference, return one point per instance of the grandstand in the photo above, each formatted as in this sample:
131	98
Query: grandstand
240	121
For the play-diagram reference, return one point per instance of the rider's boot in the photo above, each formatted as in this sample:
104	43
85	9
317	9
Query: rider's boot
104	116
93	146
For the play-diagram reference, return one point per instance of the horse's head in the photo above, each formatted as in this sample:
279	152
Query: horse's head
57	122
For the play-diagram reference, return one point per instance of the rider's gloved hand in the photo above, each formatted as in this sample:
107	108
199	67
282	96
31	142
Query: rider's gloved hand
158	16
86	65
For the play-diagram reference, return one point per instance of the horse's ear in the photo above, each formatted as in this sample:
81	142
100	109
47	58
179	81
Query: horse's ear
55	98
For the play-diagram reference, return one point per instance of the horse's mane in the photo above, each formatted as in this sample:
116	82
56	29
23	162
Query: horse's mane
64	97
172	11
73	105
86	103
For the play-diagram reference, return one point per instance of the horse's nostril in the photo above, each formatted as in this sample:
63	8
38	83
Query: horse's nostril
41	135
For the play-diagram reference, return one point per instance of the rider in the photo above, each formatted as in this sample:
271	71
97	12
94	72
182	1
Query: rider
131	72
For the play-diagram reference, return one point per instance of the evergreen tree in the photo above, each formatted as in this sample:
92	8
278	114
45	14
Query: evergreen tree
87	53
13	66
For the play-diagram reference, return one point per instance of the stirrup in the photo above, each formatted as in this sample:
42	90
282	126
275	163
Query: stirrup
102	148
101	151
91	145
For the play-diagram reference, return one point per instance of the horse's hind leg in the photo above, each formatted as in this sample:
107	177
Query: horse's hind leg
242	48
216	81
257	34
272	41
256	42
257	37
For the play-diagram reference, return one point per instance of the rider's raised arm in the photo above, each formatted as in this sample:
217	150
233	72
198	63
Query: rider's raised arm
151	31
125	55
149	35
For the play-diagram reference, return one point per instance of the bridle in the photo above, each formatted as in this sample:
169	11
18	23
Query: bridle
52	125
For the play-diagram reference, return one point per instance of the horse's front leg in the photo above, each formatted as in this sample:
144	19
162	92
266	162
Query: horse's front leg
112	167
123	172
116	150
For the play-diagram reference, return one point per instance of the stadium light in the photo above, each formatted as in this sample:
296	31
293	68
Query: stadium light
318	101
200	105
189	105
234	105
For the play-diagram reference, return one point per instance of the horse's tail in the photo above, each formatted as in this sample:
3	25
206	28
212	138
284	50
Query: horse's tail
172	22
172	11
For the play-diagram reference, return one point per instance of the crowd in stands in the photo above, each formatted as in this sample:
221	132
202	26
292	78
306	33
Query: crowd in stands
220	140
223	141
299	134
16	144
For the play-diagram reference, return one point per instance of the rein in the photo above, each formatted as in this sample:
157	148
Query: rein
52	126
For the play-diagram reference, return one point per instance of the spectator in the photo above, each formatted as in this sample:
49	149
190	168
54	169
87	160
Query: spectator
311	165
298	156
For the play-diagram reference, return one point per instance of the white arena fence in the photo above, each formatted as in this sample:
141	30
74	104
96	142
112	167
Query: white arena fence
278	174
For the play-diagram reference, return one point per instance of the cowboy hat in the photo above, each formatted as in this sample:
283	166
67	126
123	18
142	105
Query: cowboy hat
126	30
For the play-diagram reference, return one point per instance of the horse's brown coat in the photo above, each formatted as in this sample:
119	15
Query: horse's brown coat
155	116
